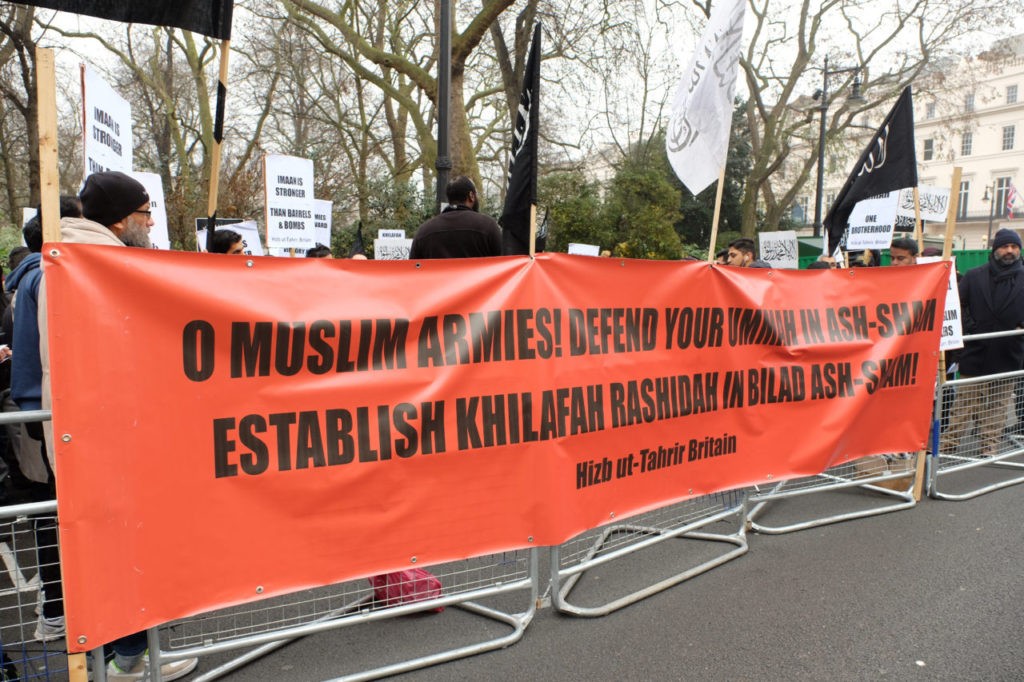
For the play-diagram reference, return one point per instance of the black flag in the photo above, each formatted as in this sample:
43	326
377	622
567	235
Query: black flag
358	247
209	17
522	168
889	163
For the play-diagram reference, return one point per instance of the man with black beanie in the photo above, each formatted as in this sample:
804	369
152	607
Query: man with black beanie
991	300
115	212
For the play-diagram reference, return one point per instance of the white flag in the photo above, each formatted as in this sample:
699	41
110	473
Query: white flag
698	131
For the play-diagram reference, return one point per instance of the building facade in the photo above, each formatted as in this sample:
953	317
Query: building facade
968	115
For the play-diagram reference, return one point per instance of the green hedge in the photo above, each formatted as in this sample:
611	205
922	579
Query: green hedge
965	260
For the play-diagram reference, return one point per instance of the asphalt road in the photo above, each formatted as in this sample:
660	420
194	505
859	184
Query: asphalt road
931	593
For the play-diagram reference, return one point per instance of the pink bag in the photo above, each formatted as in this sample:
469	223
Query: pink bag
405	587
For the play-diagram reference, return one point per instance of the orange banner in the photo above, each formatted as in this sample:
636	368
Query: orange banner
230	429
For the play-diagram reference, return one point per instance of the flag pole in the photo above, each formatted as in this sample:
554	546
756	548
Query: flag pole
218	136
954	209
717	214
918	232
533	230
947	252
49	178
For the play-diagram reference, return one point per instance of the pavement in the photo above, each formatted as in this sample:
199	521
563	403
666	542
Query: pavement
928	593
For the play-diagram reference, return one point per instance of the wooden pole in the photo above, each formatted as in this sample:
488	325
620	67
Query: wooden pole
918	232
717	215
49	202
49	177
533	230
218	136
947	252
954	211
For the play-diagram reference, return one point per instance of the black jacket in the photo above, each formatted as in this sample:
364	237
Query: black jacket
992	300
459	232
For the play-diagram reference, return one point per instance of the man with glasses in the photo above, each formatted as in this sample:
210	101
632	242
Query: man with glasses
116	212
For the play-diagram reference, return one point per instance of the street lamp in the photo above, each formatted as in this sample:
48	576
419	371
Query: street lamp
443	163
822	95
990	200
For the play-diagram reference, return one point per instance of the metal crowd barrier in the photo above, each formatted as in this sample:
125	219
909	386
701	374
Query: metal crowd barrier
888	478
28	545
983	450
710	520
30	560
264	626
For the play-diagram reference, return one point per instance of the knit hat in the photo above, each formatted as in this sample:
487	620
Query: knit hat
1005	236
112	196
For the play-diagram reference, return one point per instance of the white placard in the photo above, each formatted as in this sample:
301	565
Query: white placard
390	234
952	325
247	228
322	221
391	249
288	184
934	203
584	249
106	126
779	249
871	223
158	211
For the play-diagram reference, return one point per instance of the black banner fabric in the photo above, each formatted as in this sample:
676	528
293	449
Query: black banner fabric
522	171
209	17
889	163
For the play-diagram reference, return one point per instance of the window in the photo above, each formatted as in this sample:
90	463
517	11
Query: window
1008	135
929	110
965	193
1011	94
800	207
966	144
969	102
929	149
1002	193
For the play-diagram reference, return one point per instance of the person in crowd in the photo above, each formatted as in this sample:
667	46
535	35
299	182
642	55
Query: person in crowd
722	257
868	258
830	261
116	212
931	251
26	440
461	231
319	251
743	254
991	300
820	265
227	241
903	251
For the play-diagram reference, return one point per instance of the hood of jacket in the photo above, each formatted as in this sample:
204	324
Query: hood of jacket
84	231
31	262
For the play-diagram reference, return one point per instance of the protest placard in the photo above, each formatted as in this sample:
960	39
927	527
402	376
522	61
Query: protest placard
288	187
584	249
779	249
872	223
952	321
157	211
247	228
106	126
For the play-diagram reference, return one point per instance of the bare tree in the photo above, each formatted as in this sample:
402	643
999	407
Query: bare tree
887	45
392	45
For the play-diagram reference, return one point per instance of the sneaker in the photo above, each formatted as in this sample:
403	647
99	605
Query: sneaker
49	629
171	670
